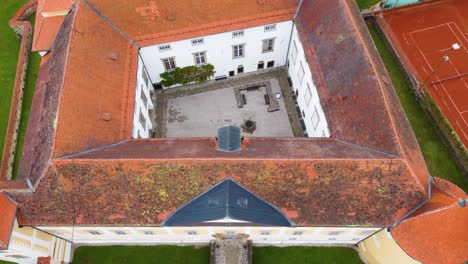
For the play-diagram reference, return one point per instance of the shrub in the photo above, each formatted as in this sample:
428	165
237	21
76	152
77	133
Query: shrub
187	75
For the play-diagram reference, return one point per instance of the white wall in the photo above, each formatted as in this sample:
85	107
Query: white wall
142	87
27	244
218	49
294	68
203	234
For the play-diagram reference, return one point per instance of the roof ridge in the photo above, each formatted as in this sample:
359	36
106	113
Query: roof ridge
368	148
361	36
70	15
89	150
127	37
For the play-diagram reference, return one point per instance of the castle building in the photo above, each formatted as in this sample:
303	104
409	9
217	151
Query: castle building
93	173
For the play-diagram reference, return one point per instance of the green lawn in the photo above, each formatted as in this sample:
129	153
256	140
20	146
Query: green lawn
31	77
141	254
309	255
9	50
437	155
174	254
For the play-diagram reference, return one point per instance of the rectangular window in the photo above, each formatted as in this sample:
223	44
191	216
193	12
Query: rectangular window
265	233
164	47
196	42
142	120
148	232
146	78
238	33
270	27
118	232
200	58
93	232
268	45
169	64
301	73
143	97
308	95
191	233
294	53
238	51
315	118
298	233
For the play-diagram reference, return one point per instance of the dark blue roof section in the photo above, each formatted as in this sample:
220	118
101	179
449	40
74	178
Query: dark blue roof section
227	199
229	138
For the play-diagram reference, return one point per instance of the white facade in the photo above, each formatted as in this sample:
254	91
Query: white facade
27	244
141	119
287	236
219	50
231	52
303	85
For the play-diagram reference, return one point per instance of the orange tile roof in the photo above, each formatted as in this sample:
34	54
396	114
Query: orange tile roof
53	5
437	232
100	77
48	25
7	217
153	20
373	159
46	31
322	192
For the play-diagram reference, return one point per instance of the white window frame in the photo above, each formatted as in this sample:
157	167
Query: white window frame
200	58
301	73
143	97
268	45
146	78
315	119
198	41
308	95
171	62
165	47
240	51
142	119
269	28
238	33
294	53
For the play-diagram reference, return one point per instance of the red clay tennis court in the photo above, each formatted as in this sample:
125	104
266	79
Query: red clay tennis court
432	41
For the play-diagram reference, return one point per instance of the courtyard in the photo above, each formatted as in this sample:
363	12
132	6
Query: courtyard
198	110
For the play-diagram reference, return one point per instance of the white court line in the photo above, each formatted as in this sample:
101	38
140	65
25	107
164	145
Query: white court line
448	109
437	77
453	103
428	28
455	34
461	32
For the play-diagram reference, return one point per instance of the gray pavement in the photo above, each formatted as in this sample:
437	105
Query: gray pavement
201	114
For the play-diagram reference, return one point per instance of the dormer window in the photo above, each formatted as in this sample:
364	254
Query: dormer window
237	34
164	47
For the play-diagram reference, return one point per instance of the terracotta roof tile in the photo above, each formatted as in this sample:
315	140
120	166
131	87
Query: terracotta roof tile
253	148
50	15
97	80
322	192
148	19
7	217
356	93
46	31
371	174
39	139
437	232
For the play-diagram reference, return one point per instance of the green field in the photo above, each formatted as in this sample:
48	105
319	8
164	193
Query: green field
9	50
174	254
437	155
